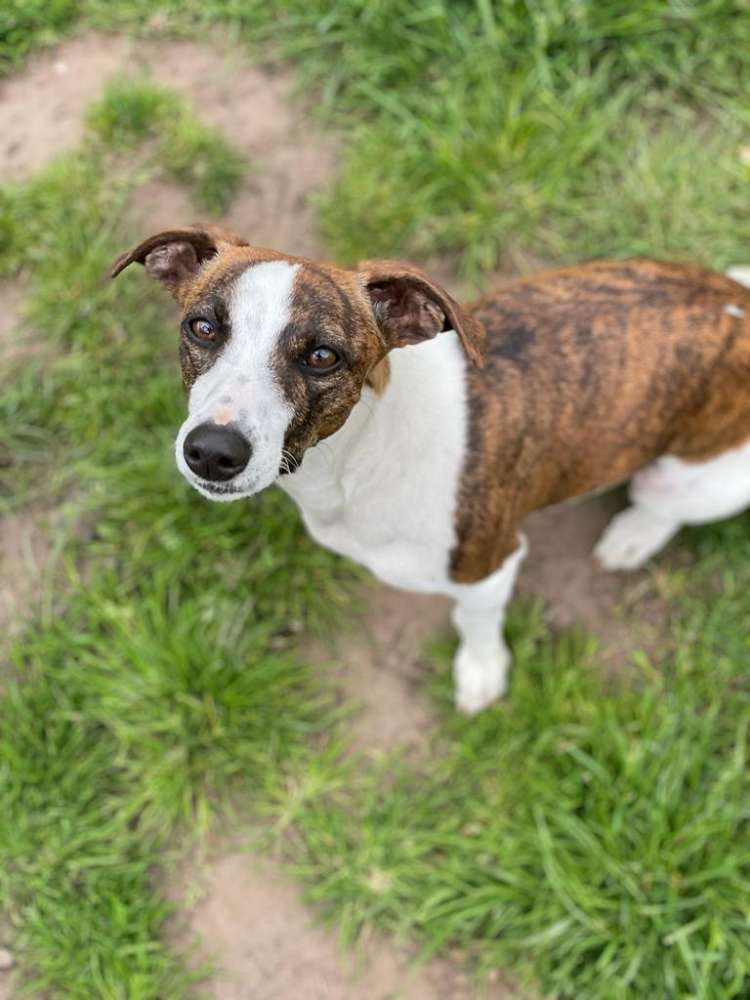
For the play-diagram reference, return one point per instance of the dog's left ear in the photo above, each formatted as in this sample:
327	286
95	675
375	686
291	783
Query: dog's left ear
409	307
175	256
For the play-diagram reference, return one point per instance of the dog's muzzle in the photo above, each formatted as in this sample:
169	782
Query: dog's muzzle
215	453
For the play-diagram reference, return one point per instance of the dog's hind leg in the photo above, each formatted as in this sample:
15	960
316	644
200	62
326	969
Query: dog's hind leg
481	663
668	494
633	536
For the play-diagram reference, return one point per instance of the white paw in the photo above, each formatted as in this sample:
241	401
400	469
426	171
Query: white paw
480	680
631	538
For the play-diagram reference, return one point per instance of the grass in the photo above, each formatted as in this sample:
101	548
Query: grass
25	24
134	717
590	837
190	152
491	130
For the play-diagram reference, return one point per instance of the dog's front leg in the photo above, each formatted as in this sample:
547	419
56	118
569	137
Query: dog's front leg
480	667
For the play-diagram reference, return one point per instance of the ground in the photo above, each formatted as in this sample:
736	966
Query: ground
237	905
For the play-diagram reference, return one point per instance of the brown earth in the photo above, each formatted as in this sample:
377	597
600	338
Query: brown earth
7	966
24	552
13	344
250	918
23	535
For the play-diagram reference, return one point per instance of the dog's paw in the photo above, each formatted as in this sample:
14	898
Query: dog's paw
631	538
480	680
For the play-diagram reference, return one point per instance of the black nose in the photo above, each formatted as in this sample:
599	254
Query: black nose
216	453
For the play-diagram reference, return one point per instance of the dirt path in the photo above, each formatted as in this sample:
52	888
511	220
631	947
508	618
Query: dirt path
250	918
252	921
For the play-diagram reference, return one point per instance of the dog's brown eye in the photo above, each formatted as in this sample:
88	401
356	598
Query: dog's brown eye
322	359
201	329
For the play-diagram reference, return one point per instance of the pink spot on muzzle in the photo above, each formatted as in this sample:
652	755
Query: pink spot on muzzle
223	416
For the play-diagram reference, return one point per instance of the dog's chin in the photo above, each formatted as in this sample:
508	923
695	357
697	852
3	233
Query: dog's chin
222	492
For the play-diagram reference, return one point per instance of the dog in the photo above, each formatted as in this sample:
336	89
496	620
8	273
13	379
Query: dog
416	434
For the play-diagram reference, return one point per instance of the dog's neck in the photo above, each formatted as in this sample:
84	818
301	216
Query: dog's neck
317	486
418	420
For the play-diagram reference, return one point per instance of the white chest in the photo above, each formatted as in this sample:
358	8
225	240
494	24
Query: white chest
383	489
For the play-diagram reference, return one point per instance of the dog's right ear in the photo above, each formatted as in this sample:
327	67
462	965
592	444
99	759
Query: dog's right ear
174	257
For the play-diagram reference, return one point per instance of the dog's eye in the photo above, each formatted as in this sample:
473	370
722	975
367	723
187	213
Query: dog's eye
201	329
322	359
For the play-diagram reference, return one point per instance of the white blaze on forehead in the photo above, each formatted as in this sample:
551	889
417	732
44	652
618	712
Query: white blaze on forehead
259	309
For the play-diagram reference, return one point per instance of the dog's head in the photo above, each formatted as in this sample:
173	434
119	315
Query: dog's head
276	350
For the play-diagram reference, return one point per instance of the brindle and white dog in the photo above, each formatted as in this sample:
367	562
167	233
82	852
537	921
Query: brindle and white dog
419	455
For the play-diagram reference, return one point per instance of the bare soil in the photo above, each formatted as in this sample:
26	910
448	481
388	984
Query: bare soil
626	612
24	551
13	344
379	663
250	919
7	966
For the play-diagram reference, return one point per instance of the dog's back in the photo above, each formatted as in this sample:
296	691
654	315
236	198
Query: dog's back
594	371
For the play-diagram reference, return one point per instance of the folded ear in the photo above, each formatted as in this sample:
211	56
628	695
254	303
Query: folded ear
409	307
174	257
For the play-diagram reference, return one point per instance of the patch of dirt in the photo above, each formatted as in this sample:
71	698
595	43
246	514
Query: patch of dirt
379	664
290	159
17	340
24	547
576	592
42	109
7	988
14	345
559	568
24	554
252	922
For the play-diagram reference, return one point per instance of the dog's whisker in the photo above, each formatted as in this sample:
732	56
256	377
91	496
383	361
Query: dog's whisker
288	462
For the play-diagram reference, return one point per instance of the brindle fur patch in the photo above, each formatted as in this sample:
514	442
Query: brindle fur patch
593	372
194	361
328	307
195	358
379	376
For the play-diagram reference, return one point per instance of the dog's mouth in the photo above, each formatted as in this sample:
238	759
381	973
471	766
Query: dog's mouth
218	489
246	487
